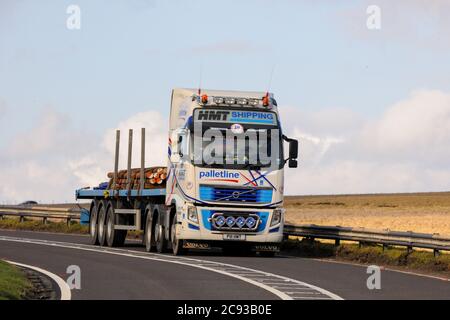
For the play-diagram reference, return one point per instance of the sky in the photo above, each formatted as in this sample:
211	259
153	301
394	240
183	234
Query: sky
370	107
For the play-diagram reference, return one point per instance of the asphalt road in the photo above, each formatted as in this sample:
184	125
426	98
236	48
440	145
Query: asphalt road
130	273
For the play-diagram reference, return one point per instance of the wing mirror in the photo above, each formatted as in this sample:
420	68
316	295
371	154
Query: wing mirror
293	152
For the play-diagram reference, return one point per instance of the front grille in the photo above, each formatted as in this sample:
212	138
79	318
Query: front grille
235	221
227	194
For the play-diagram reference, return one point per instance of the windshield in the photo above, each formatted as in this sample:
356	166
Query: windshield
230	145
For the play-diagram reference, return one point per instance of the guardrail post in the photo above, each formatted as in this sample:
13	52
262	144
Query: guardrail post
21	219
69	219
436	253
1	217
309	239
337	242
409	249
44	220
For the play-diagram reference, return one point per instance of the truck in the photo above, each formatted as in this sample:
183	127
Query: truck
220	189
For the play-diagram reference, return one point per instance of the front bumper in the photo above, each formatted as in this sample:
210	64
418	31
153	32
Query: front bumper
205	230
253	246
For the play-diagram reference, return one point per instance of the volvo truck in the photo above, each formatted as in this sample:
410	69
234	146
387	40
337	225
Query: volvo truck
224	180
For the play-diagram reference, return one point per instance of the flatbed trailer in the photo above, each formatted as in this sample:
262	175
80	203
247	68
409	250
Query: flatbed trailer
115	212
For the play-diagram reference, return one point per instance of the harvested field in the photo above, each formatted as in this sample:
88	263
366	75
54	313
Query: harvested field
419	212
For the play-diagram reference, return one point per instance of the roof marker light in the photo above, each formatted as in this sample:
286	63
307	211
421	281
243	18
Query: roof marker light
205	99
266	100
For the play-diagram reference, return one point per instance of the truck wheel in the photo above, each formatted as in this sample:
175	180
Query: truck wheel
93	226
160	239
114	238
177	244
101	225
149	237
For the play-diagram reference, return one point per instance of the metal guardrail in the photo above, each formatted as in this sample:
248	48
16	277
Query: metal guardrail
408	239
45	213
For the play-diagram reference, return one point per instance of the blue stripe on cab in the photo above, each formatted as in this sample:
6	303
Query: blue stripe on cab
193	227
274	230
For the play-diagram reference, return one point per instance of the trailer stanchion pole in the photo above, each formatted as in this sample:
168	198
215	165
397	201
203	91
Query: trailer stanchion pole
130	151
116	162
142	173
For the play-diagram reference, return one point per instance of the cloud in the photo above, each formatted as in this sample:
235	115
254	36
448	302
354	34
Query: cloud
50	161
414	128
405	150
91	168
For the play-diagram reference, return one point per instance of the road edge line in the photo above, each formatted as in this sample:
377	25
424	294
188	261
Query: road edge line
64	288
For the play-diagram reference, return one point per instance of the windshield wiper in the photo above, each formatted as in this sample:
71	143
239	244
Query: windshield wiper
251	166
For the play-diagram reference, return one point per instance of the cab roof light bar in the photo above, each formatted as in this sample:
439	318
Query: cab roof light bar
205	100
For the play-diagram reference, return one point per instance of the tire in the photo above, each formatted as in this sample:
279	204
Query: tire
101	225
93	223
160	239
177	245
114	238
149	237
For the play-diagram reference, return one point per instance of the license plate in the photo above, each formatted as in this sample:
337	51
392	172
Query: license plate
234	237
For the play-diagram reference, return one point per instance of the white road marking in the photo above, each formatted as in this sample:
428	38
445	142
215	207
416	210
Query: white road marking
231	270
384	268
64	288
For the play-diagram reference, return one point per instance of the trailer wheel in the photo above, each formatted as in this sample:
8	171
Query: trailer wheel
101	225
149	236
177	244
93	226
114	238
160	239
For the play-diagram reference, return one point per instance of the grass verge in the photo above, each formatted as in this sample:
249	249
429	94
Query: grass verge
371	254
37	225
13	283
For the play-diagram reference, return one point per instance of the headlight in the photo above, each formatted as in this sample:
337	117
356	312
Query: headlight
192	214
250	222
276	217
230	221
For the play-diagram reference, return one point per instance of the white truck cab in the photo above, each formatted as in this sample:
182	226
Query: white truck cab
226	170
